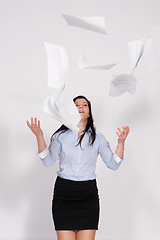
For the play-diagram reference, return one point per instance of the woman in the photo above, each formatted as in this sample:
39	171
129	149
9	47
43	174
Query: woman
75	204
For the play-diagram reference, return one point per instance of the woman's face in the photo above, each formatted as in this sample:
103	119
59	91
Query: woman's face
82	106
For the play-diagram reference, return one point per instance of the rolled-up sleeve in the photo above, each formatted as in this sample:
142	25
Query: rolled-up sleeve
111	160
50	155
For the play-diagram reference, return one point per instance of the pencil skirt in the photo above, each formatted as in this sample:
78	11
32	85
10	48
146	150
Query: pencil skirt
75	204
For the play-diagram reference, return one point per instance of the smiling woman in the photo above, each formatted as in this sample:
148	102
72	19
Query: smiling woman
83	109
75	203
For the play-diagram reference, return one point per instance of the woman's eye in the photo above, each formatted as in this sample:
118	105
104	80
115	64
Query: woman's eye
83	105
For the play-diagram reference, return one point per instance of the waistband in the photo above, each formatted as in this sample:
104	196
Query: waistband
75	182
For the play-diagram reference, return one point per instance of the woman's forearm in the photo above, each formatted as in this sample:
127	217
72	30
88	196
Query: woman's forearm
41	143
120	150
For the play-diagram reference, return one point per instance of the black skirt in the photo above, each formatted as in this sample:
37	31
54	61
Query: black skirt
75	204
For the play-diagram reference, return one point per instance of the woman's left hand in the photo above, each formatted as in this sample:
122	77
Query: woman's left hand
123	134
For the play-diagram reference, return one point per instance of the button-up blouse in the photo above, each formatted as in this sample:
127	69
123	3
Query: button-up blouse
78	162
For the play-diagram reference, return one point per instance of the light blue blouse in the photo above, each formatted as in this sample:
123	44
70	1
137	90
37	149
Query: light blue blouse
78	163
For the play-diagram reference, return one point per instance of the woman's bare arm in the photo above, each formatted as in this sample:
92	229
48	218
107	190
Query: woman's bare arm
122	137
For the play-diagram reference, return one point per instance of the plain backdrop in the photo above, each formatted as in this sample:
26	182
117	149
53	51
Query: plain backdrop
130	196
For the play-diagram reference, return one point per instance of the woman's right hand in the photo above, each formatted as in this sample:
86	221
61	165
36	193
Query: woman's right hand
34	127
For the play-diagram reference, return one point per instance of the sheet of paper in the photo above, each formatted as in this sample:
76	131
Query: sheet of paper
136	49
63	109
152	49
121	83
57	65
96	24
83	63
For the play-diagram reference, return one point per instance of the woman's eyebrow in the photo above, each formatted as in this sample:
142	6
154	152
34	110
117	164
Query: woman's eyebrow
83	102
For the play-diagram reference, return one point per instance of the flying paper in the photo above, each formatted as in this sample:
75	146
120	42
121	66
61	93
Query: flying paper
136	49
152	49
62	109
57	65
121	83
83	63
96	24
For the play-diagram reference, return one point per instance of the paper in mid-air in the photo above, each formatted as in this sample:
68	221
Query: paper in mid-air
121	83
96	24
153	49
62	109
136	49
83	63
57	62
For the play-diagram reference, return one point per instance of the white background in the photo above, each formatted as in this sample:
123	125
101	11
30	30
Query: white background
130	197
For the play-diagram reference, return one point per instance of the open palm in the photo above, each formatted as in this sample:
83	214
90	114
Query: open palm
122	134
35	128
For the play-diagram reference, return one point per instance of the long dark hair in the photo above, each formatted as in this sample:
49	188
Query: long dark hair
90	124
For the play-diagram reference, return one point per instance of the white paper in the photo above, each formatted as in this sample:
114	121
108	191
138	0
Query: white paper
83	63
96	24
152	49
57	65
121	83
63	109
136	49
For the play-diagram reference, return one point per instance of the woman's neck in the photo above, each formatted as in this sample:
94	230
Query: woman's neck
82	125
